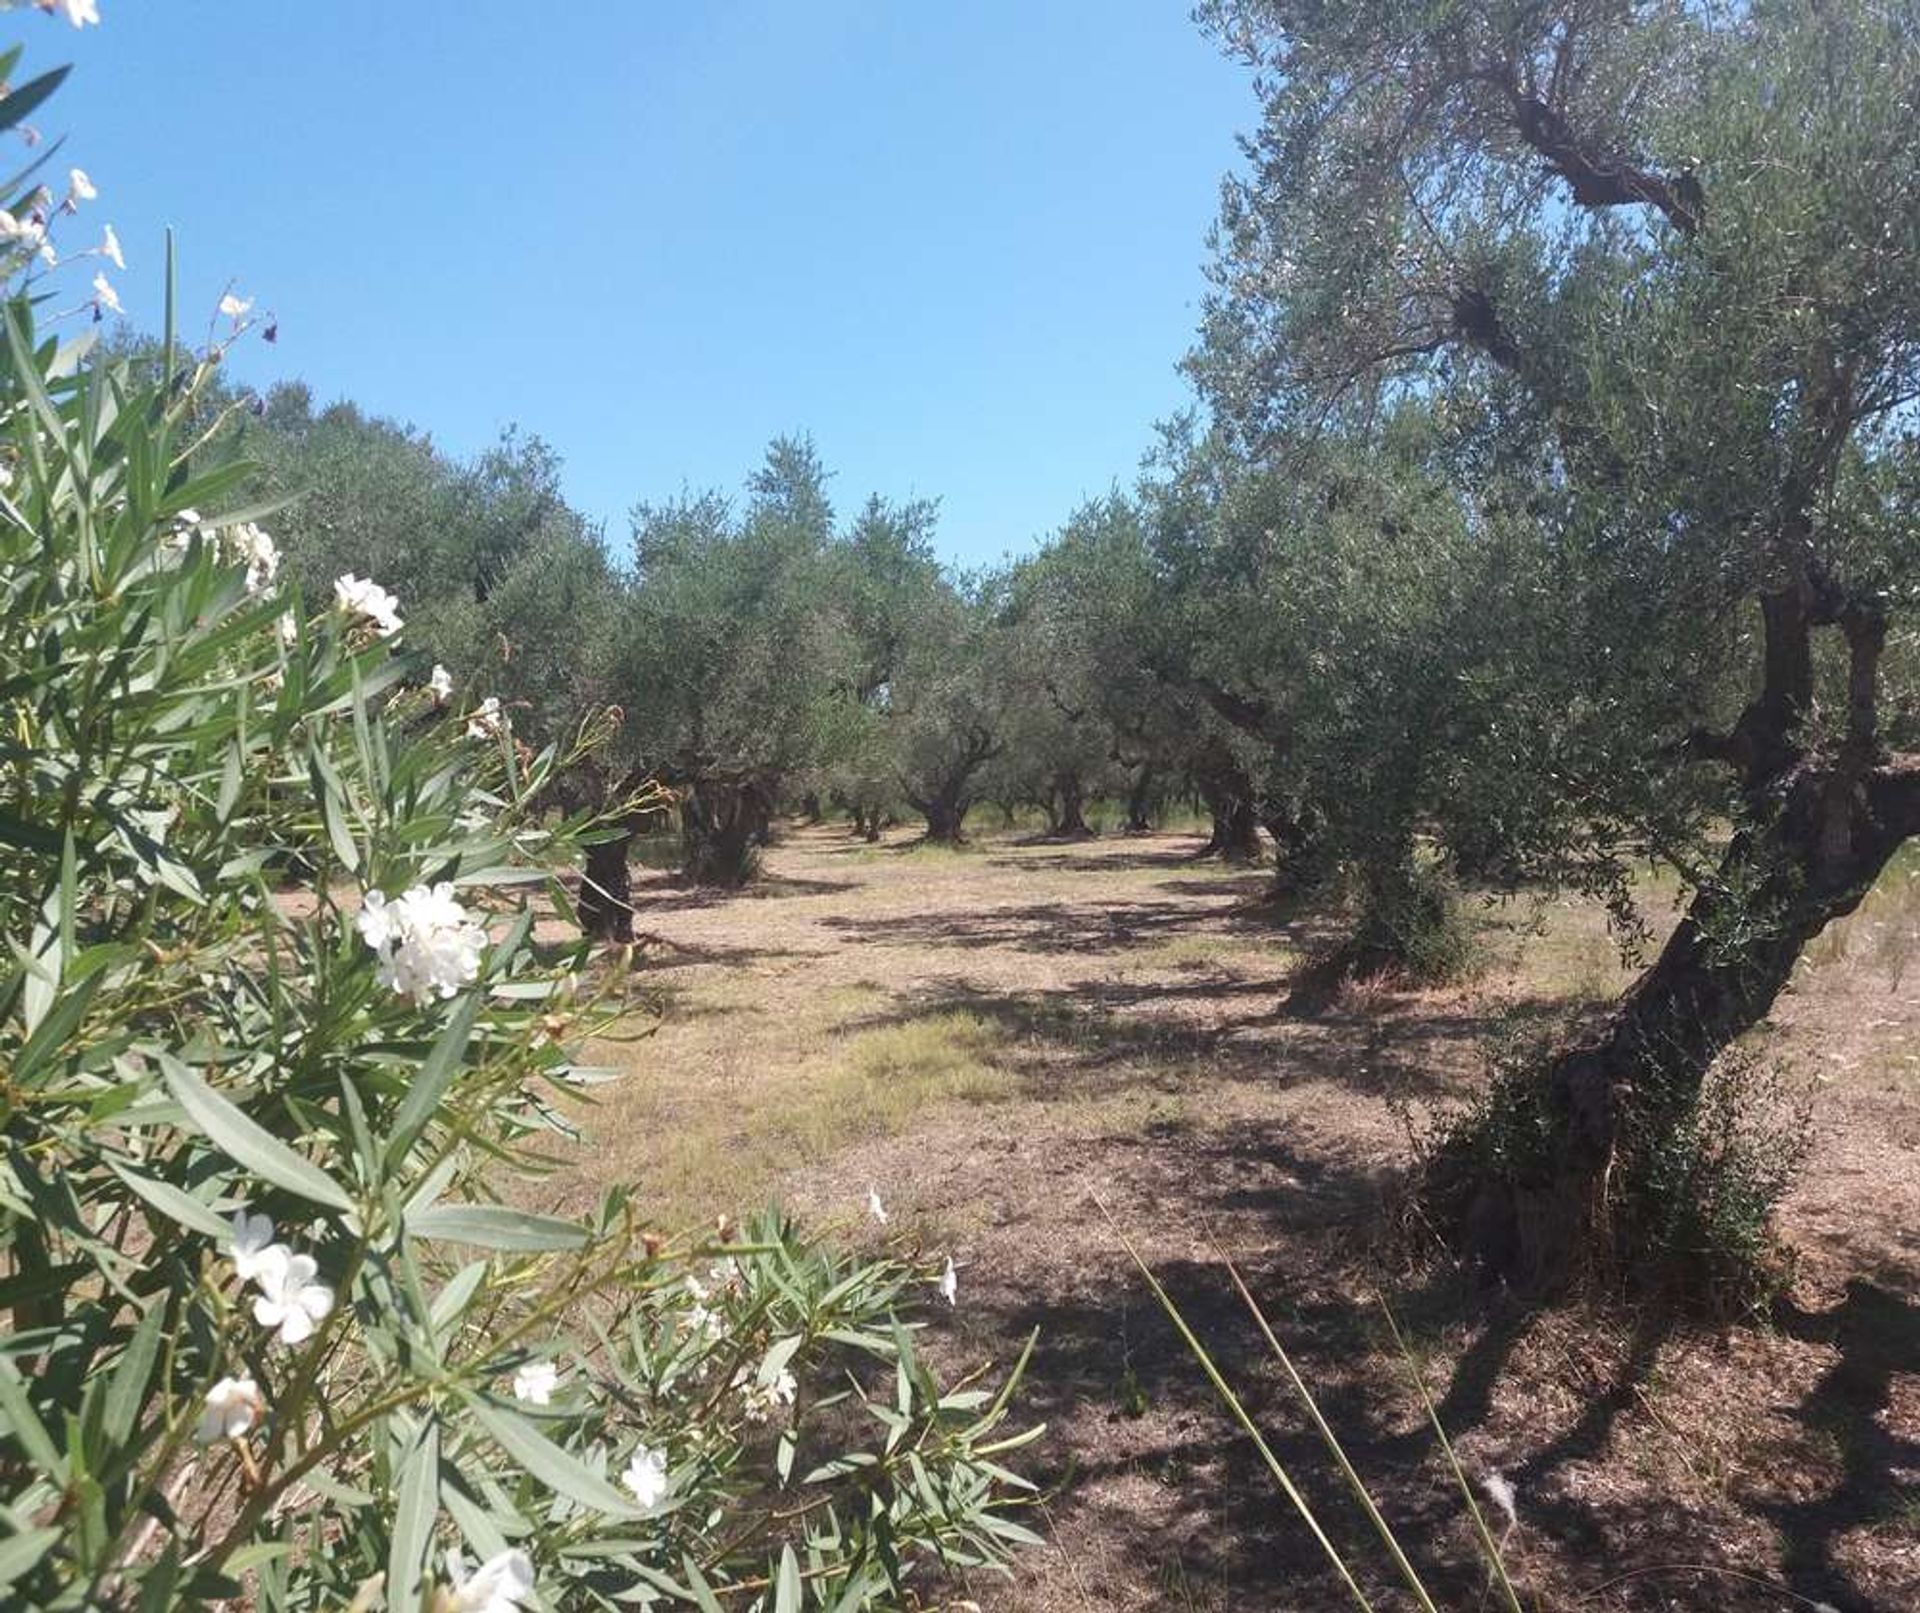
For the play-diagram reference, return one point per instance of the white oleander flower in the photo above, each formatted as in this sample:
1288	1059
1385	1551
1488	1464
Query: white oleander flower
288	629
646	1476
427	943
535	1381
82	186
232	1409
499	1585
486	720
874	1207
440	685
260	552
760	1401
252	1238
359	596
949	1284
291	1303
77	12
235	308
110	249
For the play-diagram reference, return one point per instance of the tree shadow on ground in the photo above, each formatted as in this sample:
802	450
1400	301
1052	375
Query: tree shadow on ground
674	894
662	952
1100	1034
1877	1334
1151	1442
1110	1367
1118	862
1051	927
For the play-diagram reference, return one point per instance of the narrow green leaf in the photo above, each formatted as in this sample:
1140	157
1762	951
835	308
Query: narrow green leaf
127	1391
787	1586
495	1226
25	1425
172	1202
413	1520
436	1073
19	1553
247	1142
548	1463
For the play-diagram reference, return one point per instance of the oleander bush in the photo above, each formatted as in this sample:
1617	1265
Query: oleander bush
281	1053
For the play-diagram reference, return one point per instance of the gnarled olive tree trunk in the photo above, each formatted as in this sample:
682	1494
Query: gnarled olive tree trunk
1820	825
723	824
1066	807
1141	790
1230	801
945	797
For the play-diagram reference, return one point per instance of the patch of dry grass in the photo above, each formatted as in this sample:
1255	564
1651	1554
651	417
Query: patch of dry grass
730	1146
991	1035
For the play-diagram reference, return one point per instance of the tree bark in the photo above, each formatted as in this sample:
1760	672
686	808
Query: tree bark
946	817
723	822
1069	808
606	891
1292	829
1229	796
1140	802
1819	830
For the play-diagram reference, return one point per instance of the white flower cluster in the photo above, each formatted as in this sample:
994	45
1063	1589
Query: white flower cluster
499	1585
368	602
291	1304
486	720
25	227
761	1401
232	1410
243	543
427	943
247	543
535	1381
646	1476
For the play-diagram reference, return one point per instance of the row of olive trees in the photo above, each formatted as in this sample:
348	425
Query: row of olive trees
1553	508
760	654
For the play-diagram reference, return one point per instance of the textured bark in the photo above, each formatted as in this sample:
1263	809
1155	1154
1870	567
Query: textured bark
606	891
946	816
1140	794
1820	829
1229	797
1067	808
722	825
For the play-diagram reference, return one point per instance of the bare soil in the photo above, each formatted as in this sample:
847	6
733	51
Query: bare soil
1016	1041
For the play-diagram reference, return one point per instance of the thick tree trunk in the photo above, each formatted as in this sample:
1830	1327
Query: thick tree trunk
1069	811
606	891
1292	829
722	825
1140	802
946	817
1229	797
1820	829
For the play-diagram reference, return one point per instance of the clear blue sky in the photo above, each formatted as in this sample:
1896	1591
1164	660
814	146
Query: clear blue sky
961	244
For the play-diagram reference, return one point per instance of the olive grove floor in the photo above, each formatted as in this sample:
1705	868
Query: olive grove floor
1013	1040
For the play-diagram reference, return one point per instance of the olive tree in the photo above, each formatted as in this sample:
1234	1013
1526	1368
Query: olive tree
1656	266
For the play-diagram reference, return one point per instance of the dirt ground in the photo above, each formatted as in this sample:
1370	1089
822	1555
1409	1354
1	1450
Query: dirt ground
1013	1041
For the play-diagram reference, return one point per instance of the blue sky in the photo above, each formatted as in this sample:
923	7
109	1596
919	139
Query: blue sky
959	244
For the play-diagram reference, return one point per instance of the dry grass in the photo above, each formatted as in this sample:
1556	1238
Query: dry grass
992	1035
